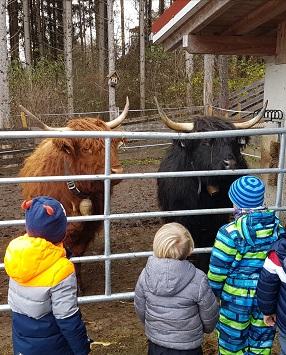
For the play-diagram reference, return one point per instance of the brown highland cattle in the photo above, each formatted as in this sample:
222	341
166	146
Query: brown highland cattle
74	156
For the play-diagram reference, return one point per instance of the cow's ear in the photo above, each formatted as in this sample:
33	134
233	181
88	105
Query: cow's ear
64	144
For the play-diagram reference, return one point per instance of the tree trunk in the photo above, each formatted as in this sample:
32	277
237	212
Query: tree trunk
13	11
100	45
106	31
208	82
27	38
80	24
55	31
50	28
142	56
4	84
161	6
148	11
111	58
32	29
122	22
90	14
39	28
67	15
60	37
223	80
44	27
189	58
83	20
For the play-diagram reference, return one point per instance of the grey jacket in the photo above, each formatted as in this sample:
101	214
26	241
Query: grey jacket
176	304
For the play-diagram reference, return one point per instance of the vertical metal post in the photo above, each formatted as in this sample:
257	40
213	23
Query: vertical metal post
280	178
107	194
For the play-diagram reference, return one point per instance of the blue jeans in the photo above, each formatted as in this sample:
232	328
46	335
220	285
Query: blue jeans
282	341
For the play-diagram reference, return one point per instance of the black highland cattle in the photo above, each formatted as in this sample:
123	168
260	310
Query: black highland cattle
205	192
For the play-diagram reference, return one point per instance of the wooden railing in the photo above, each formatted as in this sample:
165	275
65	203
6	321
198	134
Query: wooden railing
248	99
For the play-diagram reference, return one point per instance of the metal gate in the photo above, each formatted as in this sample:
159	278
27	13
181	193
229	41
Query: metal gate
107	217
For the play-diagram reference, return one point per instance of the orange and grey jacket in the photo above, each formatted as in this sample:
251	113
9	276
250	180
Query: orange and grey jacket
43	298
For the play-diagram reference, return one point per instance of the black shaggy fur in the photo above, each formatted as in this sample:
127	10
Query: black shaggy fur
191	192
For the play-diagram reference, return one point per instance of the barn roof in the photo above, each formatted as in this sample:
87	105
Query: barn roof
256	27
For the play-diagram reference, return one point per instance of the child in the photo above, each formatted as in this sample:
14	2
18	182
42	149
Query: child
271	290
172	297
42	287
237	258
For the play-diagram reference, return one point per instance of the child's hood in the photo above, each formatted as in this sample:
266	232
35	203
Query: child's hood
280	248
167	277
257	226
27	257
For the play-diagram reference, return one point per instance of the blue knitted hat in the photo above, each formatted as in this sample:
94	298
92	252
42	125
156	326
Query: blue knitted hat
45	218
247	192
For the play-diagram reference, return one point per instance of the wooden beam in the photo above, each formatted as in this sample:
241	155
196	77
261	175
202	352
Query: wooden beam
201	19
230	45
258	17
281	44
209	13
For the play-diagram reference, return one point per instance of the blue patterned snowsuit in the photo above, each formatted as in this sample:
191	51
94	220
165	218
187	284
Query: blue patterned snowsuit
236	261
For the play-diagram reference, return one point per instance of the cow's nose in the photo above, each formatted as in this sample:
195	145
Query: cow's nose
118	170
229	164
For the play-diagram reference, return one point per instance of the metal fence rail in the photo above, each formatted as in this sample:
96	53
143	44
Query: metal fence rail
107	217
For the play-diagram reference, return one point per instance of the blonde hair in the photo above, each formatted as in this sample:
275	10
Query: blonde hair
173	241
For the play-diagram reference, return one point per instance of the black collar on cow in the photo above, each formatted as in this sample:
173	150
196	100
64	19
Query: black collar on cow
72	186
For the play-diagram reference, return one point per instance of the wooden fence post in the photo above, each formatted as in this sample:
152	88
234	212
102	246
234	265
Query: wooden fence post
24	120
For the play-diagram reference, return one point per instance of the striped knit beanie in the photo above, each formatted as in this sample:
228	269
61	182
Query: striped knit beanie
247	192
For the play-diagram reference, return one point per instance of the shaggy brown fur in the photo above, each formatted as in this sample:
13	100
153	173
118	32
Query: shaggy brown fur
82	156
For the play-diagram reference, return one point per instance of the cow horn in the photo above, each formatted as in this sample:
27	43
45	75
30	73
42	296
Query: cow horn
252	121
117	121
177	126
41	124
